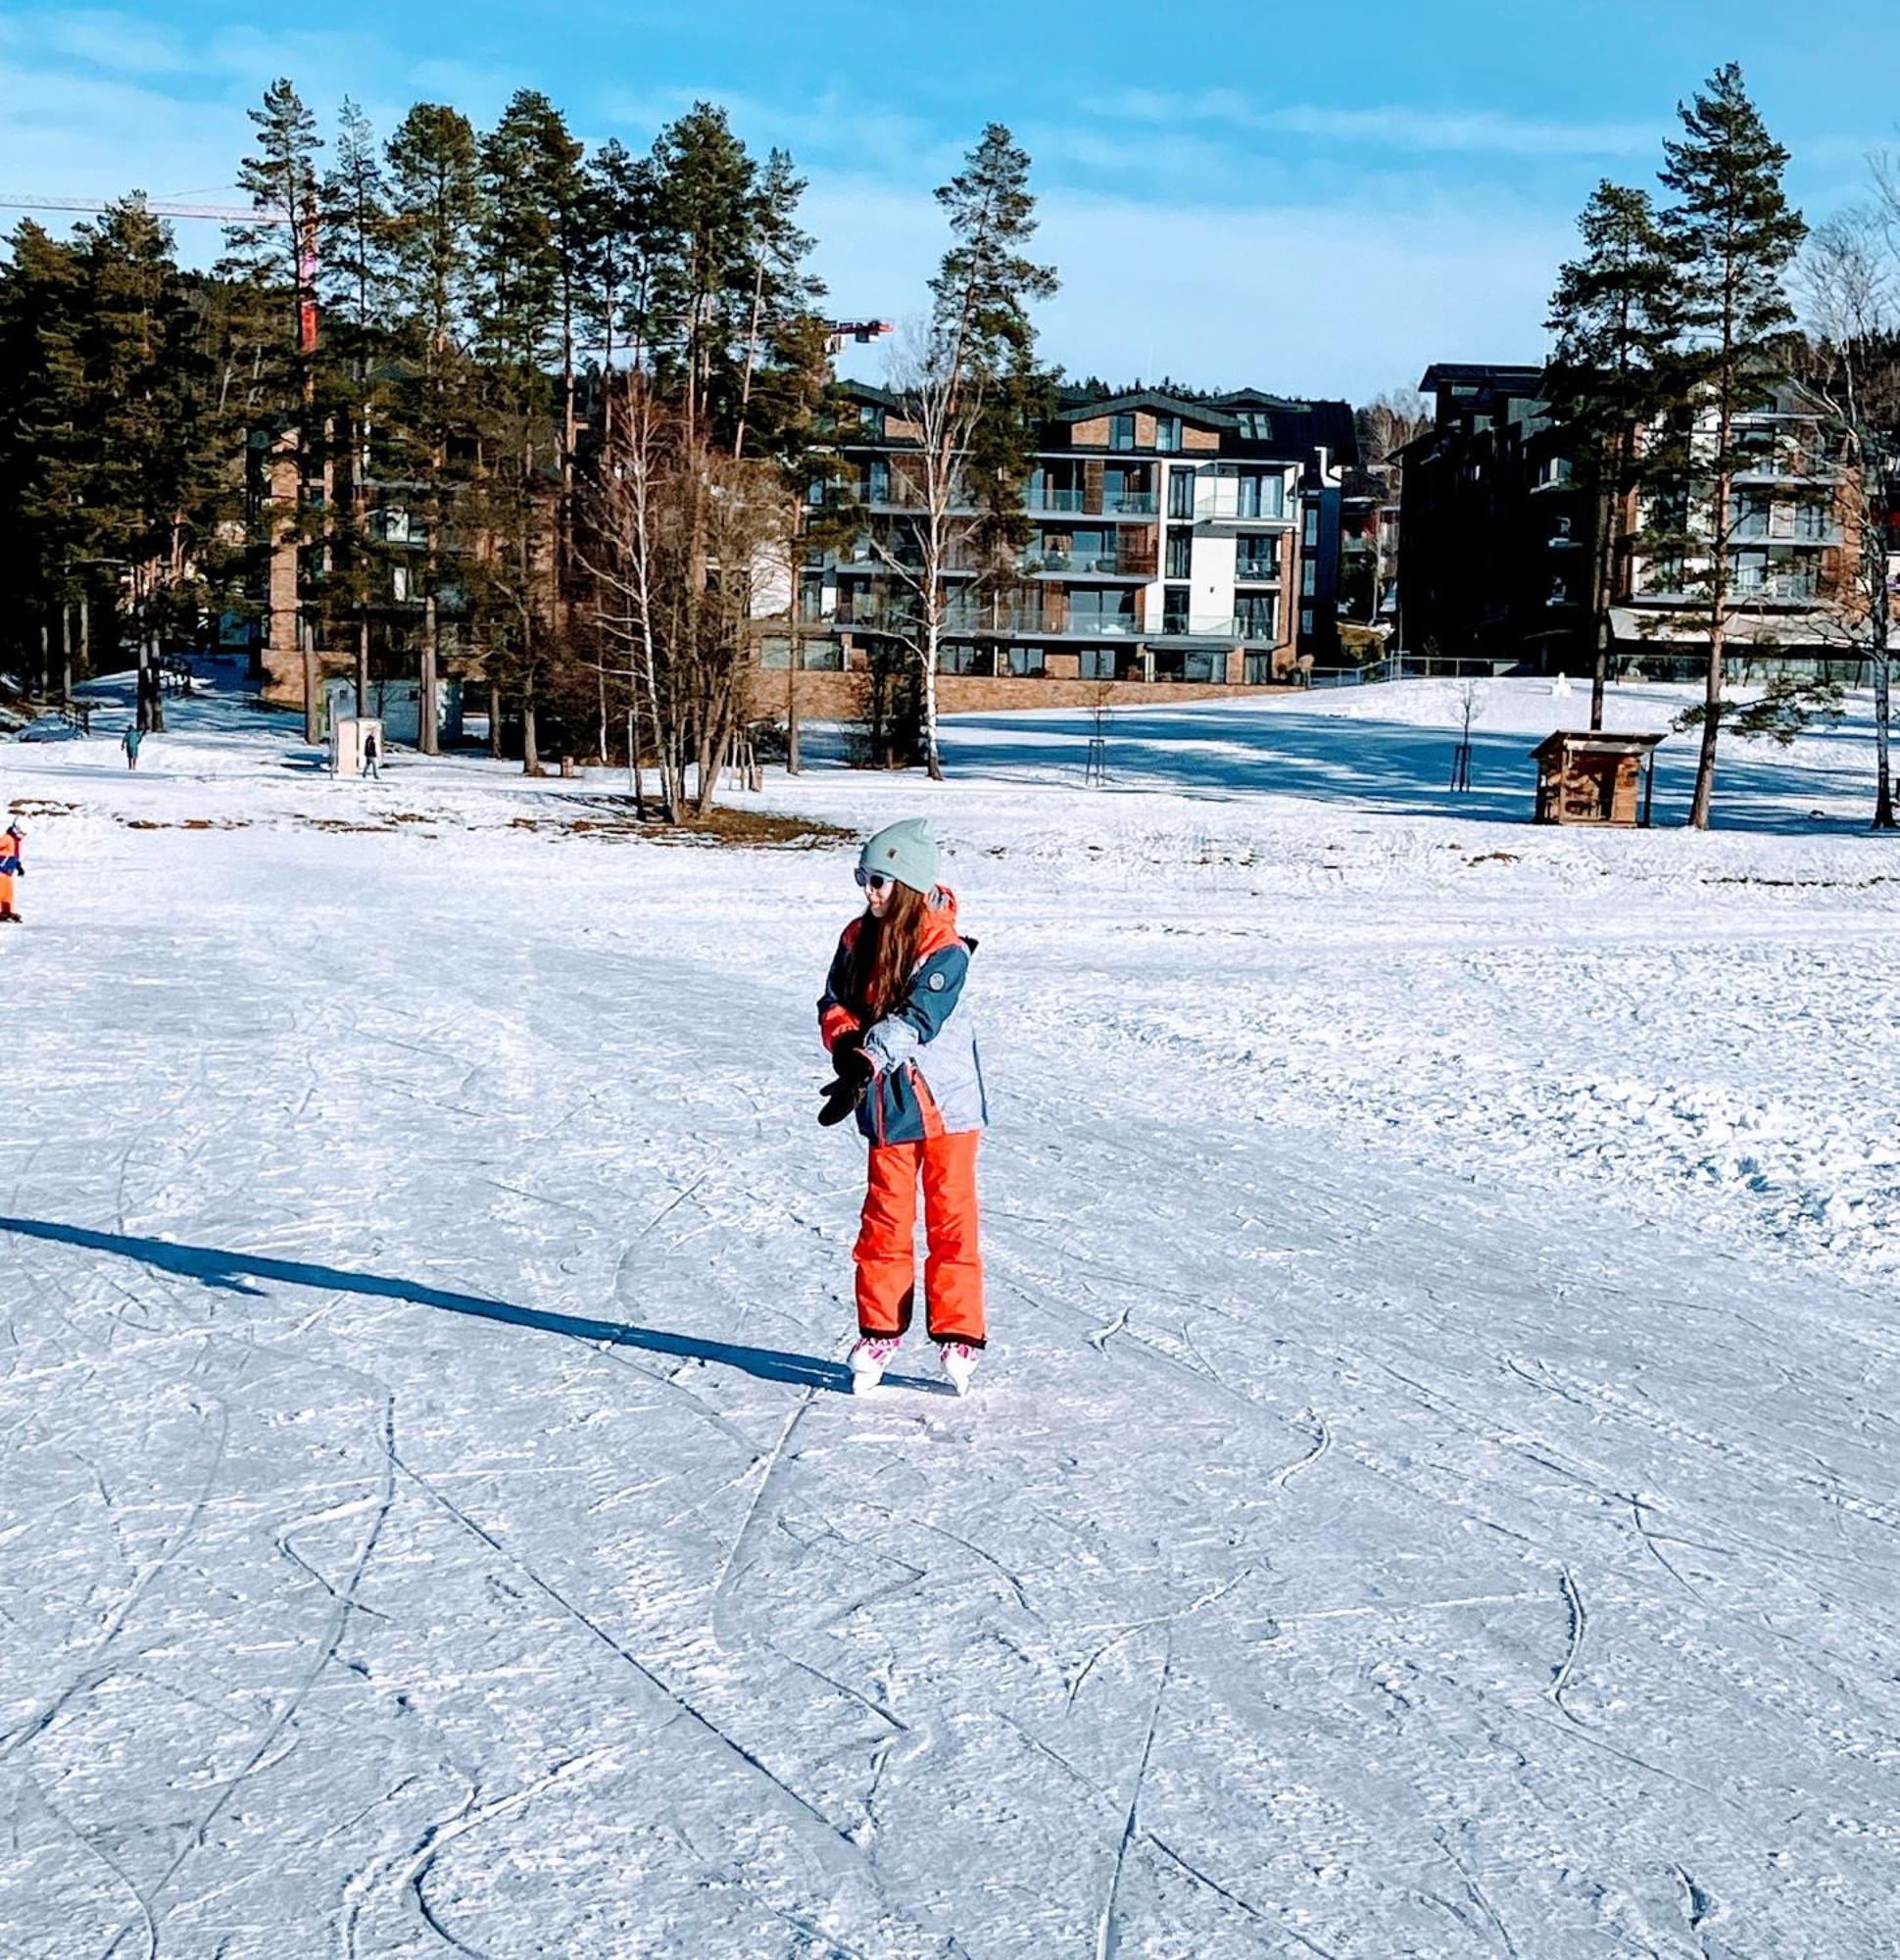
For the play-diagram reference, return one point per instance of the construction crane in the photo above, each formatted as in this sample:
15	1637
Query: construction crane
220	213
863	332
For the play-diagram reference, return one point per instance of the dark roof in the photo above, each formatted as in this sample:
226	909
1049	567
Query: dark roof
1480	373
1150	400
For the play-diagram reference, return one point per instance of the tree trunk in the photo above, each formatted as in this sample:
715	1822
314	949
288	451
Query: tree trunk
494	719
85	636
362	664
66	653
1704	797
313	720
425	711
530	746
1881	626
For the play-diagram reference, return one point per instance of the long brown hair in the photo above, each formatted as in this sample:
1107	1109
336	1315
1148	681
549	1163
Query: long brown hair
887	951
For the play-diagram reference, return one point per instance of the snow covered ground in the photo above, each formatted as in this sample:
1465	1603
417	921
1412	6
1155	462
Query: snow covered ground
1433	1490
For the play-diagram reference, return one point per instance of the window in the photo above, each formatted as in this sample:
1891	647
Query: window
1173	609
1167	432
878	482
1098	664
870	421
1257	616
956	659
1310	569
1125	491
775	656
1311	534
1256	558
1121	431
1181	545
1105	608
1559	592
814	492
1180	493
1028	661
1748	513
1306	621
1256	426
1259	495
398	583
1560	531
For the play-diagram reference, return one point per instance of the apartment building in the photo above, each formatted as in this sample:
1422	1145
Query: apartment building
1172	541
1500	545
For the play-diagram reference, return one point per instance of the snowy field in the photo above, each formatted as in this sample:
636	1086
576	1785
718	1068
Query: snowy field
1433	1490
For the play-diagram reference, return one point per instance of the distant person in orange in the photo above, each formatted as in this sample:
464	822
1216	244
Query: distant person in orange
901	1039
12	839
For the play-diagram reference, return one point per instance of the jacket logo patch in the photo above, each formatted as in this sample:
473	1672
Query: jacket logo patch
935	983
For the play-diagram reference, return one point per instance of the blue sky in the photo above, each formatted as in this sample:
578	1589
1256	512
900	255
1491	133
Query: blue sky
1317	200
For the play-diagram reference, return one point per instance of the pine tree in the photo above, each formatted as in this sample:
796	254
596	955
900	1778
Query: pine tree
621	191
706	214
976	396
43	521
526	275
357	273
274	258
1732	237
1614	318
435	203
143	471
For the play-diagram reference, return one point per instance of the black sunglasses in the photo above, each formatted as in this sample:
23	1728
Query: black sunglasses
871	881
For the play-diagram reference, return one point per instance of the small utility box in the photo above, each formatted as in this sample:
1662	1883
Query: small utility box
1592	776
348	743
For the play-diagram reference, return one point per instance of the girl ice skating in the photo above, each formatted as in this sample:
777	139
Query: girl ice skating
901	1039
12	839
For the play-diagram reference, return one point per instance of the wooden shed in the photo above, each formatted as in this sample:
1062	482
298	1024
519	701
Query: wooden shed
1592	776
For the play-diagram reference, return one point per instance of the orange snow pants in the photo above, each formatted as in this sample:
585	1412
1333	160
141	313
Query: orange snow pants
886	1249
6	894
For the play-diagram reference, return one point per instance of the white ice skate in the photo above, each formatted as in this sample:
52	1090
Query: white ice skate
869	1357
960	1364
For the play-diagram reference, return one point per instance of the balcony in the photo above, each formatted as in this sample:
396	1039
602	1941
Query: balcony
1135	564
1258	570
1218	500
1218	626
1042	502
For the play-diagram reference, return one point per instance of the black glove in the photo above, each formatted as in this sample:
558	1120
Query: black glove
848	1060
840	1098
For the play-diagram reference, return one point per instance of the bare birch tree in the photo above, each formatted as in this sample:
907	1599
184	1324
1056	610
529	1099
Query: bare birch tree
1849	286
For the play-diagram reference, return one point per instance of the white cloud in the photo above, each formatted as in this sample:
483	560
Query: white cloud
1396	126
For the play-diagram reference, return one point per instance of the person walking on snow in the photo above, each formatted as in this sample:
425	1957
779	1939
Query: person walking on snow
131	744
900	1035
11	841
373	754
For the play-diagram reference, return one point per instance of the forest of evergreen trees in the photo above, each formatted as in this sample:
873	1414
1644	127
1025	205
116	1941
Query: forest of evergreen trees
561	406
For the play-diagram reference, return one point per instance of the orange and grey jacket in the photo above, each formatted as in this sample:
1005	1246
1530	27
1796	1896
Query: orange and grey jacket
929	1081
9	864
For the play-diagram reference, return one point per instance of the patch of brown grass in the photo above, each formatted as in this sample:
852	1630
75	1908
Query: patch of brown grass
186	823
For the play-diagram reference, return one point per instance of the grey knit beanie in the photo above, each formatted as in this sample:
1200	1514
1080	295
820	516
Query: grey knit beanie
905	852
